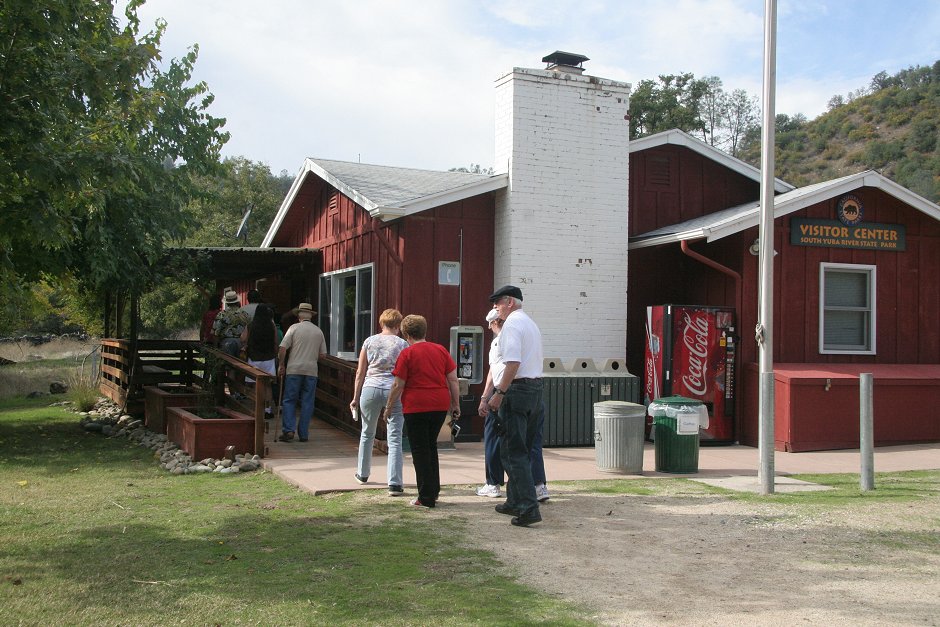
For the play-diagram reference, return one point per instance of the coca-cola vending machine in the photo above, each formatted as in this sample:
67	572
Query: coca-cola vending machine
690	351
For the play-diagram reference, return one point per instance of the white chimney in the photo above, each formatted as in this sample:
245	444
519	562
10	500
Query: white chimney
561	226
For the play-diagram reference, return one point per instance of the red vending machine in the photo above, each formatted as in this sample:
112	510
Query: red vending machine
690	351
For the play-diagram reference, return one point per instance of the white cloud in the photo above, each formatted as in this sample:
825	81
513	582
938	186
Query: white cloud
411	83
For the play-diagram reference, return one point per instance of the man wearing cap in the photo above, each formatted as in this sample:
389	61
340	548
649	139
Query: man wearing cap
306	343
229	324
517	399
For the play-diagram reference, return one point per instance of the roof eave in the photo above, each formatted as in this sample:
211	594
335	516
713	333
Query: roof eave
677	137
411	207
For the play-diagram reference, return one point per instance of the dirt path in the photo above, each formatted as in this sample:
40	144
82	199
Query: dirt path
699	559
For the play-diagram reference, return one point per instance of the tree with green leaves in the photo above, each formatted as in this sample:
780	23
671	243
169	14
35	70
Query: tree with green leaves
98	146
698	106
216	213
674	101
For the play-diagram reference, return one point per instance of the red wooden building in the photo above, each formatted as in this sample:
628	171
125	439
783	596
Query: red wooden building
855	289
387	238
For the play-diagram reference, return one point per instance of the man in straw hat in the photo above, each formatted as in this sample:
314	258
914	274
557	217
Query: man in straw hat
306	343
229	324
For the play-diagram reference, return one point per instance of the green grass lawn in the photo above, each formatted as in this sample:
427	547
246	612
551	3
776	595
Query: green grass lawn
93	532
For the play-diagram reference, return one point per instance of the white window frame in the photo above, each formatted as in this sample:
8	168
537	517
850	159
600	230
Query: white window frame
334	314
871	272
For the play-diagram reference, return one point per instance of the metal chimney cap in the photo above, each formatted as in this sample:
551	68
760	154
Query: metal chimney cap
565	58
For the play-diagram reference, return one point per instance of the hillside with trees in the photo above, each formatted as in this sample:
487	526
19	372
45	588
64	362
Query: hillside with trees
892	126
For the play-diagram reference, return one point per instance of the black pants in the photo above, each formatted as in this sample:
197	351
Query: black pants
423	429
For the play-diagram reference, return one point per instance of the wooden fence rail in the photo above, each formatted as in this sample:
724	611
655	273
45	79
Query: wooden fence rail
166	362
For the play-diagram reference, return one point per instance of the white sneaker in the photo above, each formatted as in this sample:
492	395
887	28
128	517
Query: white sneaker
541	492
491	491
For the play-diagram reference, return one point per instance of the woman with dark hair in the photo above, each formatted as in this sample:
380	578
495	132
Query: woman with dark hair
260	341
426	382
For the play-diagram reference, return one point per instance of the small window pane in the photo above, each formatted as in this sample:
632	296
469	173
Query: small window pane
324	312
846	328
348	330
846	289
364	319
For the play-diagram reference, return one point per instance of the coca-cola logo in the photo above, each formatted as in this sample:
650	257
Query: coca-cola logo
695	339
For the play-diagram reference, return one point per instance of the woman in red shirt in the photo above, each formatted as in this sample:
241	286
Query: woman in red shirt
426	381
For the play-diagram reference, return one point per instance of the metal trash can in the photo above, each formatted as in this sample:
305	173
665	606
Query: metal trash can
676	424
618	436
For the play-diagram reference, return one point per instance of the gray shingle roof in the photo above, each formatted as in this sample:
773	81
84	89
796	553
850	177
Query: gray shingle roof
388	186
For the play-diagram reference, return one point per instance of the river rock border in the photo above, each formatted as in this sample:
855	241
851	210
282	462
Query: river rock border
107	418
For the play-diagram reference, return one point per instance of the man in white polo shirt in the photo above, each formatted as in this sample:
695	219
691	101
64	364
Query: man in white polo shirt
517	398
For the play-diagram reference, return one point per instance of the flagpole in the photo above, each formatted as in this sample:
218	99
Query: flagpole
764	331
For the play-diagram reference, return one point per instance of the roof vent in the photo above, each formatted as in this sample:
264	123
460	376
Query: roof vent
559	61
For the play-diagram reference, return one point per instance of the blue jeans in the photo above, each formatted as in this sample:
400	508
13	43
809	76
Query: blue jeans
302	388
493	462
519	412
371	402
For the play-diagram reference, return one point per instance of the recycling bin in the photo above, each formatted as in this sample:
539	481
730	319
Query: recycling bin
618	436
676	424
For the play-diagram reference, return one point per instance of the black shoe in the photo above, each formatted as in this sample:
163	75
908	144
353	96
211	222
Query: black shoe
527	519
287	436
361	479
302	439
503	508
395	490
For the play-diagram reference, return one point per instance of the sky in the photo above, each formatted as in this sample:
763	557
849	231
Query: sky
412	83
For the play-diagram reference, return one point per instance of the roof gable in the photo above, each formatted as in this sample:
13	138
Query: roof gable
715	226
388	192
676	137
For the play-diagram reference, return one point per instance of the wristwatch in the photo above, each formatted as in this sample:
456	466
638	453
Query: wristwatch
498	391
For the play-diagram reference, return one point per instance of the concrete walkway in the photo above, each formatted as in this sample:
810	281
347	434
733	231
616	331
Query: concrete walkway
327	462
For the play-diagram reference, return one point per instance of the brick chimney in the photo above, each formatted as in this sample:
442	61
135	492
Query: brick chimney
561	225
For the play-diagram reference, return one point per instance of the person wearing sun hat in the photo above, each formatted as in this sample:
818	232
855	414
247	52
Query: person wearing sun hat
492	428
306	343
492	464
229	324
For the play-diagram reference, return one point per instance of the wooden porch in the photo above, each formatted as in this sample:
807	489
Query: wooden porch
128	367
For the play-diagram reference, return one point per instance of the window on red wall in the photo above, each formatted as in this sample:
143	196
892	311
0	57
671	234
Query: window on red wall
847	309
346	315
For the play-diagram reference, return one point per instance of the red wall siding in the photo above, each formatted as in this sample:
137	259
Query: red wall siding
670	184
908	299
405	252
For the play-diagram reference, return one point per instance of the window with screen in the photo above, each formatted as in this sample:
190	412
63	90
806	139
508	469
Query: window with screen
847	308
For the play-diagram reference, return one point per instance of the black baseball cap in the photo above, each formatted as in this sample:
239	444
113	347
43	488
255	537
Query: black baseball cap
506	290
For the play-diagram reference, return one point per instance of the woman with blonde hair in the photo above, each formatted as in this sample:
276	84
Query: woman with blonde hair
373	383
426	383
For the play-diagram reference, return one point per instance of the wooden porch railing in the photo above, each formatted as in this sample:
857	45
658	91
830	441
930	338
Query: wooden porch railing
190	363
337	379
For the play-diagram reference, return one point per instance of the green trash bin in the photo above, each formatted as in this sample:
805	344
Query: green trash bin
676	423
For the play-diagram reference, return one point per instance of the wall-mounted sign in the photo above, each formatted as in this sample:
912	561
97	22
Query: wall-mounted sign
835	234
448	273
849	210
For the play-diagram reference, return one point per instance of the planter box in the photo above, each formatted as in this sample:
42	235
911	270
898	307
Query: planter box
208	437
158	398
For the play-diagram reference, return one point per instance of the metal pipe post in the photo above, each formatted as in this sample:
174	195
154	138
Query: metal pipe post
867	430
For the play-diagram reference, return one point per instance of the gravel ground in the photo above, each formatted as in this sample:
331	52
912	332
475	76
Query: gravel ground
703	559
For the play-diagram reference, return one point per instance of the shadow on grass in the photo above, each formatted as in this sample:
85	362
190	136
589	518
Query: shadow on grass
100	534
